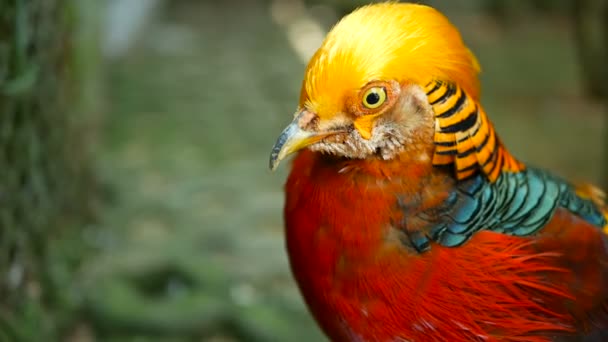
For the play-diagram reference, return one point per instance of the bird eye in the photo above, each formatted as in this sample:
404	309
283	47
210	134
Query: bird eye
374	97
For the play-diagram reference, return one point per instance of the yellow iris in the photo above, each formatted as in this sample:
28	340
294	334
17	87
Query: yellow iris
374	97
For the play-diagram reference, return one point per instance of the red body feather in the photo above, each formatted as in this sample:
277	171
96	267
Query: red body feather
362	284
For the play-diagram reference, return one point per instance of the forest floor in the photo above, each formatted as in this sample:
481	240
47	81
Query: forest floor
191	246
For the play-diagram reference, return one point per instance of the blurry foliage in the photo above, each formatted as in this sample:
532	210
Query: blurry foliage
501	9
341	7
191	245
45	178
591	19
591	25
508	9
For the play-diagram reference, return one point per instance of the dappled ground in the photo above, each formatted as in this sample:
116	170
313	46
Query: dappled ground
191	247
194	239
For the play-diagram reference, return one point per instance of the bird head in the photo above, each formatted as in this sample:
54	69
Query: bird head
363	91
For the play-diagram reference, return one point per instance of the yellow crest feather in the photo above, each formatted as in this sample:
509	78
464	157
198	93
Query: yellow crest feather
386	41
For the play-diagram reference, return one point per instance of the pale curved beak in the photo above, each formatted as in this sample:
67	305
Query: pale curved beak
292	139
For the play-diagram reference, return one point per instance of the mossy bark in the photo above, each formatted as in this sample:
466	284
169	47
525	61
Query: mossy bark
46	183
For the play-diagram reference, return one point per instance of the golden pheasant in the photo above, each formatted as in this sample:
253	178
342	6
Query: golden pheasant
407	219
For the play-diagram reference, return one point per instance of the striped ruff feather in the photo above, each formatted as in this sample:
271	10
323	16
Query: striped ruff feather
464	136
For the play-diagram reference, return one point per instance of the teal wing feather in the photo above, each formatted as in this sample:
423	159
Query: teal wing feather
518	204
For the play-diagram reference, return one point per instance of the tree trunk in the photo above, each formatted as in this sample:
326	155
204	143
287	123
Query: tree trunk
45	178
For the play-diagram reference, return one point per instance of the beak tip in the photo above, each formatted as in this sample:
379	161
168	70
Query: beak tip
275	156
292	139
272	164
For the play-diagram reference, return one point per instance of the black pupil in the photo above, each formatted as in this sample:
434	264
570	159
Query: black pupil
373	98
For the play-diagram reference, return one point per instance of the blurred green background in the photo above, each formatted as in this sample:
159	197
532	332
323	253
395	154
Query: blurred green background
135	200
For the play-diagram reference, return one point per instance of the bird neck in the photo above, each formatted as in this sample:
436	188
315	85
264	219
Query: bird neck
464	136
409	174
410	166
